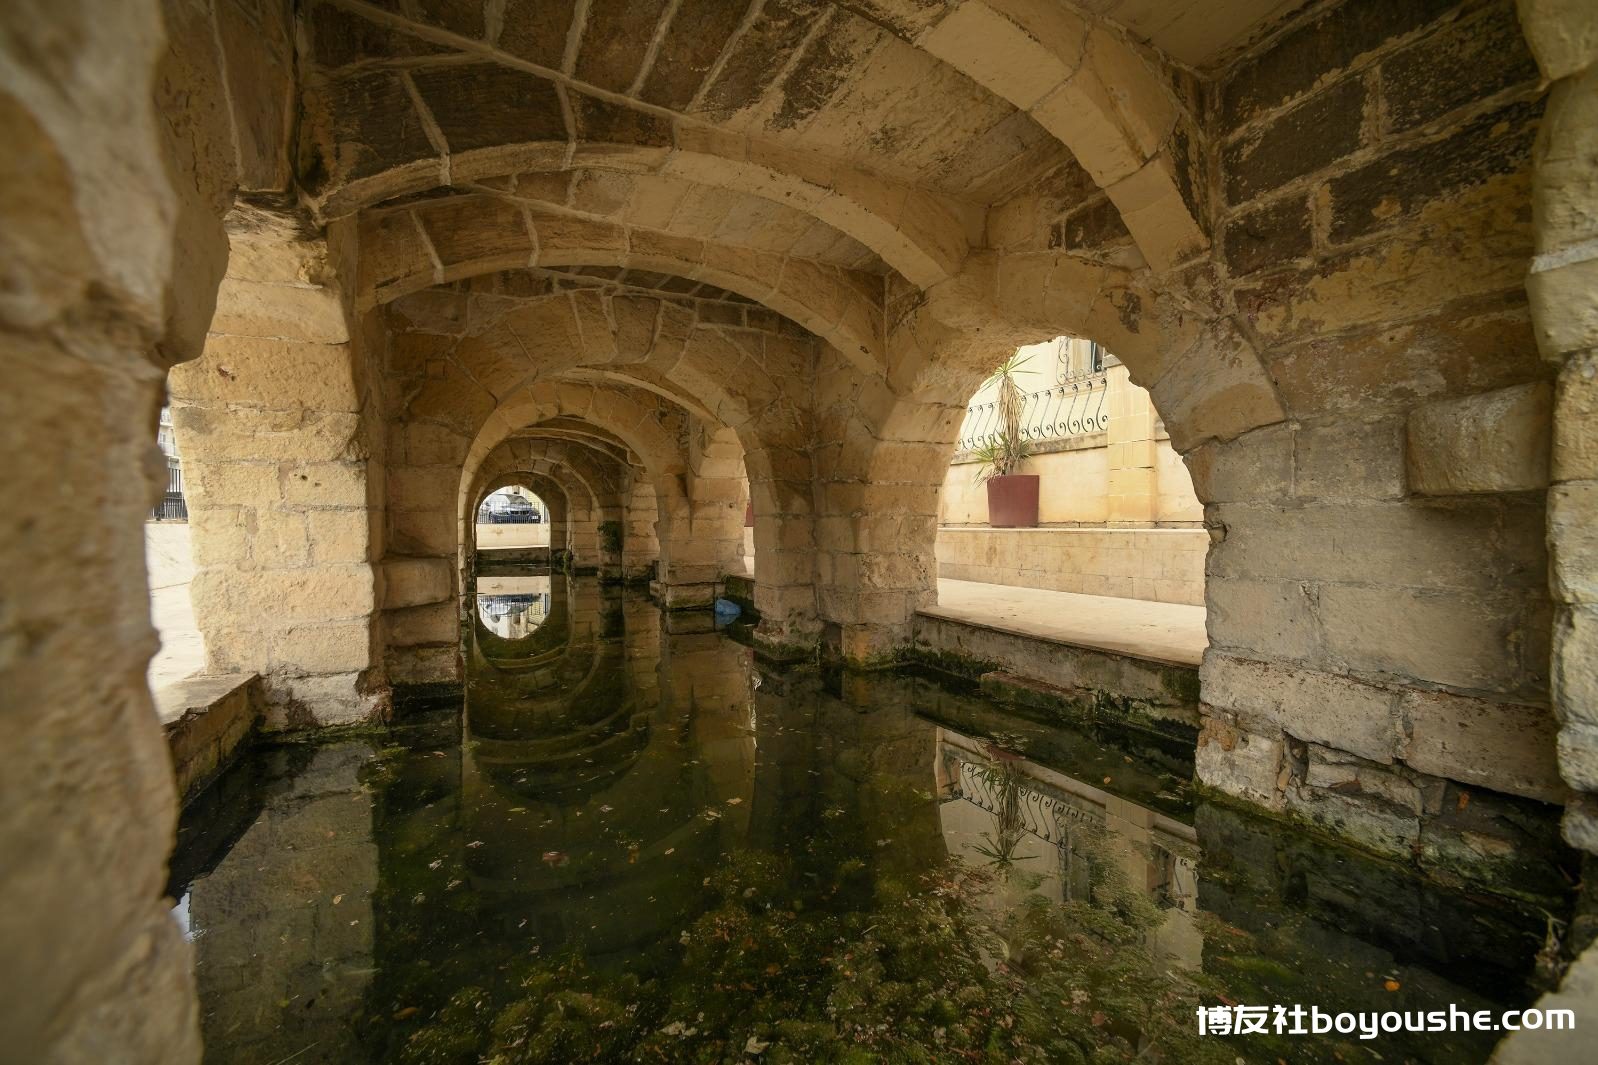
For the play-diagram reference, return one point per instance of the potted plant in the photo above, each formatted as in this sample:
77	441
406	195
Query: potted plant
1012	496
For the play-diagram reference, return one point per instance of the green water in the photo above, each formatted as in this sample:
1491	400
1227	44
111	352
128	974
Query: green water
636	844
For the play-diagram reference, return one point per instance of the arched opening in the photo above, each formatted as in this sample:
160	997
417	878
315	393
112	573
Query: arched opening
169	561
1077	524
693	267
513	524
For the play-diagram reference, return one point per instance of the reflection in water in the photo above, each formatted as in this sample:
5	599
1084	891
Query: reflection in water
1055	832
631	843
513	607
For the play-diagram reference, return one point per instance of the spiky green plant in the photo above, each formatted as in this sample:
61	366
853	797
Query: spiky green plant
1002	454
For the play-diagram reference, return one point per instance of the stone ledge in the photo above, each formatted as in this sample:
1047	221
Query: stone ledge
207	719
1160	633
1106	684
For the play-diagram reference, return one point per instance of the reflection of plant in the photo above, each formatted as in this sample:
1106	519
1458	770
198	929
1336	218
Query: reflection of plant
1000	455
610	536
1005	781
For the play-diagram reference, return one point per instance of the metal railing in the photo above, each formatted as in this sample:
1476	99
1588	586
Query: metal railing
509	517
172	506
1074	407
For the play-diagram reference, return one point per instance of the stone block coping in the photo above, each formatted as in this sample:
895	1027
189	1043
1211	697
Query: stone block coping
1170	633
207	719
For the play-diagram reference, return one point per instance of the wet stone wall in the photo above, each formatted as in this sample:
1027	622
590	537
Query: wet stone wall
1377	586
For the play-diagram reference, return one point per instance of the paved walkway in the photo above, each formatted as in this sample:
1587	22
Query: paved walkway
166	556
1170	632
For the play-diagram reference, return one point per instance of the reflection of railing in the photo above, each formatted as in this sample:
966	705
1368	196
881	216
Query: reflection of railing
1045	816
513	615
1074	407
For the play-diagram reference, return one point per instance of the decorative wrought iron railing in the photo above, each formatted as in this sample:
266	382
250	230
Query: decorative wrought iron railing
1074	407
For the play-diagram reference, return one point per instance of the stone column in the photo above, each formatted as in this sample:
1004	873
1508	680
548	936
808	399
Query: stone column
1562	282
640	551
785	549
93	268
1132	490
274	424
706	528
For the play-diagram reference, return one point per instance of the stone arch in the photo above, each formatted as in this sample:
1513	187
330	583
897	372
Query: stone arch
1560	284
917	233
690	531
583	509
732	376
691	515
566	507
884	482
840	306
1107	100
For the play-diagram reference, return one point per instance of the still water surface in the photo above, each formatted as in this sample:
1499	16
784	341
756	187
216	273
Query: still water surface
636	844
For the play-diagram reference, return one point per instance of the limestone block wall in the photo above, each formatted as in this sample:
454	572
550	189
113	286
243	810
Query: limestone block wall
1073	486
1378	607
1160	565
281	460
490	537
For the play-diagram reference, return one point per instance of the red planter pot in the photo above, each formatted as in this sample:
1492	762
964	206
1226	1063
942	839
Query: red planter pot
1013	501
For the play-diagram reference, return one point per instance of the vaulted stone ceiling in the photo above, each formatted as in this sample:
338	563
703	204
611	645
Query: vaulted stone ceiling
835	79
866	138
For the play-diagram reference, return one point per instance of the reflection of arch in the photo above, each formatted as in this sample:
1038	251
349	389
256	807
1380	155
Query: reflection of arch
517	618
615	754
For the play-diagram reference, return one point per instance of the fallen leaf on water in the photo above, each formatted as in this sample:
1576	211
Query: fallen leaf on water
337	899
755	1046
474	844
1391	984
734	801
408	1011
1106	780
